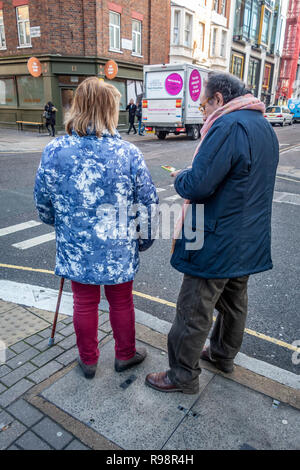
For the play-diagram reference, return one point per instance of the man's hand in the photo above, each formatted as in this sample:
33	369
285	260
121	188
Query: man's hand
175	173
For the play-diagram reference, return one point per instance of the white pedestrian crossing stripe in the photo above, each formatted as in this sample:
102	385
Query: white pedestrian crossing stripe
159	190
172	198
35	241
18	227
279	197
287	198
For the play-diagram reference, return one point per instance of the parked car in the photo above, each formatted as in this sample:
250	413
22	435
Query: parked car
279	115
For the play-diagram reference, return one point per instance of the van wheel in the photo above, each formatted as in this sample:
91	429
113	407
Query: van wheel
161	135
194	132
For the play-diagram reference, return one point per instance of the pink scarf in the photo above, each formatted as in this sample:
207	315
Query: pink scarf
242	102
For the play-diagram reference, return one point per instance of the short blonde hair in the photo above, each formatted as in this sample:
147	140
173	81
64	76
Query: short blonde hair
95	107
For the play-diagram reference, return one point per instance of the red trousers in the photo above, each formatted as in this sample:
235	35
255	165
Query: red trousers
121	315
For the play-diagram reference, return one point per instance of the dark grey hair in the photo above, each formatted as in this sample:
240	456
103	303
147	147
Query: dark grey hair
228	85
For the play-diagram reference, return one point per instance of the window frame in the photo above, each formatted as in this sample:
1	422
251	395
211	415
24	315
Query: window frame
115	27
190	30
268	67
202	27
214	44
177	14
223	7
23	23
223	34
263	11
240	56
137	37
2	32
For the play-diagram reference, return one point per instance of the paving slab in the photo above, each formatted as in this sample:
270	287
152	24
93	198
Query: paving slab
17	324
230	416
25	412
118	405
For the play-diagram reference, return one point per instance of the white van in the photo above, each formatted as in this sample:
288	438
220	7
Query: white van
171	101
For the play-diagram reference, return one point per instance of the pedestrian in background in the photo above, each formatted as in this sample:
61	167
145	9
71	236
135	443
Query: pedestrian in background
139	115
233	176
84	181
131	108
50	116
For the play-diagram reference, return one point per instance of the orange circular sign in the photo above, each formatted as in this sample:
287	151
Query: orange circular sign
111	69
34	66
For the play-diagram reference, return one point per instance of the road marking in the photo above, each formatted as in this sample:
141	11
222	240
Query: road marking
170	304
287	198
172	198
292	147
34	241
159	190
288	179
18	227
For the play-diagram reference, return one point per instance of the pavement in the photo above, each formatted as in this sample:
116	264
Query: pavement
13	141
46	403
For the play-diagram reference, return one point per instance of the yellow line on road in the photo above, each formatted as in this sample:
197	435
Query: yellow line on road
288	179
164	302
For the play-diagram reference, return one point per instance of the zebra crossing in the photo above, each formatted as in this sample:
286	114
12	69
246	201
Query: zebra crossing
166	194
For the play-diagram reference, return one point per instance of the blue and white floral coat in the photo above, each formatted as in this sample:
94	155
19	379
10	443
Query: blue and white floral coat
98	193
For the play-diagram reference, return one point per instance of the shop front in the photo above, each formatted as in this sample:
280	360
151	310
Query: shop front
23	97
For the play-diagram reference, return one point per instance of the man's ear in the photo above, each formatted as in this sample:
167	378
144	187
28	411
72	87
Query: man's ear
219	98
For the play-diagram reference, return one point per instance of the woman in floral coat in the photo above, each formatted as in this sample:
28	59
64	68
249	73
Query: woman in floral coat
96	190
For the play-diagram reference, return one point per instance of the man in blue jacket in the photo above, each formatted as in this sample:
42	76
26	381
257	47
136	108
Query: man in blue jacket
233	176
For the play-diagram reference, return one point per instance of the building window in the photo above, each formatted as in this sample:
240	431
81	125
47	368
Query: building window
214	42
254	21
223	7
202	36
253	75
265	26
243	18
23	25
114	30
31	92
267	76
188	30
137	37
2	32
216	5
176	28
223	44
8	95
275	27
237	65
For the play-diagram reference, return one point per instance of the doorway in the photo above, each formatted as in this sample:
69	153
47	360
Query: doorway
67	95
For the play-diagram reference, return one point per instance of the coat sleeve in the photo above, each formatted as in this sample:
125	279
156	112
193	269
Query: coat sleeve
210	166
146	201
42	196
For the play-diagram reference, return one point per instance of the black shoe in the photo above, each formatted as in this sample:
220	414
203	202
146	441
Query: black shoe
140	355
88	370
205	356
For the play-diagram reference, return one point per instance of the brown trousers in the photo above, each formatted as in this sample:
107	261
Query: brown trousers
197	300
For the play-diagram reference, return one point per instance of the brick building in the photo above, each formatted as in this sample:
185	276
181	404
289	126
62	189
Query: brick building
74	39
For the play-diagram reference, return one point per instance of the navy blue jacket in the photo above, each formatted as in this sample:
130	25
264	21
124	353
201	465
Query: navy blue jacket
233	175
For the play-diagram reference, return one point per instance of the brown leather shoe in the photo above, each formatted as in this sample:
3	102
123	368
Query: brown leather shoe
161	382
206	356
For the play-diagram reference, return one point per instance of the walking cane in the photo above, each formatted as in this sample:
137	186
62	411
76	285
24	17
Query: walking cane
51	339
